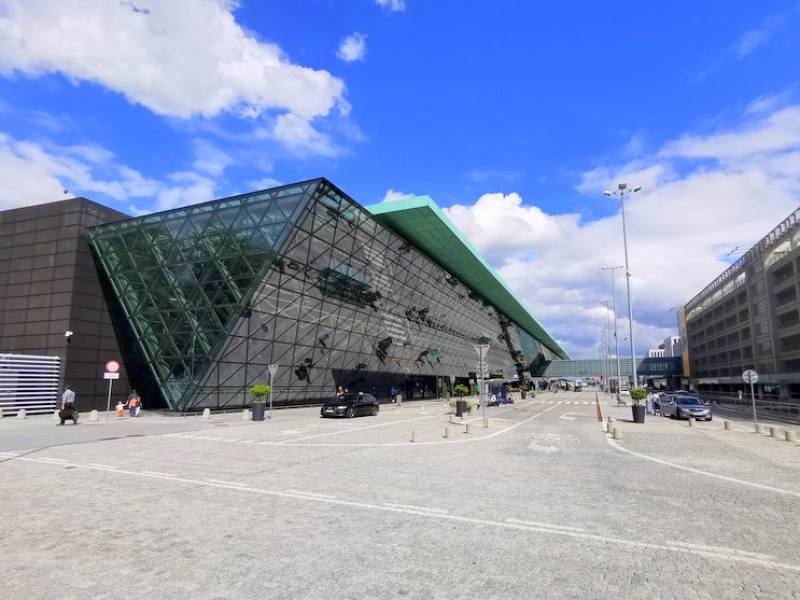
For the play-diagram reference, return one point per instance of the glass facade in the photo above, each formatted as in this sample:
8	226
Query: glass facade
303	277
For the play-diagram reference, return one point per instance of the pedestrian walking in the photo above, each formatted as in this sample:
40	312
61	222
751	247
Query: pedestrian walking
68	411
134	403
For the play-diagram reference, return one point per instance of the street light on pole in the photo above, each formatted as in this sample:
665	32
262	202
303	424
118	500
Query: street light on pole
616	338
622	191
606	346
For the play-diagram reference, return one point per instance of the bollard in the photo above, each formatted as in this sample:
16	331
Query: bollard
774	432
691	422
468	428
415	436
726	425
616	433
22	414
761	428
790	436
447	432
246	415
93	416
56	416
1	412
206	413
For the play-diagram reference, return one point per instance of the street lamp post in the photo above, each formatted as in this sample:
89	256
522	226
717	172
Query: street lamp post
616	338
622	191
605	346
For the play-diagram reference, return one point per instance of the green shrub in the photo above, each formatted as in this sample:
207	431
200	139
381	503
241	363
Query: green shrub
259	392
461	389
638	394
470	404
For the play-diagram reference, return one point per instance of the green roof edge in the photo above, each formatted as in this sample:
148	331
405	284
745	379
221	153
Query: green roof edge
394	206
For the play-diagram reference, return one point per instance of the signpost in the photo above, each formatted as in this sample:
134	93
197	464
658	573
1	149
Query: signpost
483	373
751	377
272	370
112	373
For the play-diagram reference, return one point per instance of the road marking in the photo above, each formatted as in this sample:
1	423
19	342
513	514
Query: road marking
760	486
60	460
721	549
291	431
566	417
730	554
312	494
100	466
538	524
340	431
545	449
222	482
442	511
158	473
248	441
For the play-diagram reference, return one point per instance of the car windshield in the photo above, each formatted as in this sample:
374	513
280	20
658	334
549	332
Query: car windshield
689	402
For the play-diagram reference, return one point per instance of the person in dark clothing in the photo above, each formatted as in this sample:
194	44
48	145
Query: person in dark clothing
68	411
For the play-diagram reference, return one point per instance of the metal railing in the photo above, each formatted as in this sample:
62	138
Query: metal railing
774	408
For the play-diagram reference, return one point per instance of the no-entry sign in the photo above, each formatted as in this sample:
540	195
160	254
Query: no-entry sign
112	366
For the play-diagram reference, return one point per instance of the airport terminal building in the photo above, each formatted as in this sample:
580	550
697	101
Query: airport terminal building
203	298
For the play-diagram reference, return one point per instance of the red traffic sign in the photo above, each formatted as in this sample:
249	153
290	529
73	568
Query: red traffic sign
112	366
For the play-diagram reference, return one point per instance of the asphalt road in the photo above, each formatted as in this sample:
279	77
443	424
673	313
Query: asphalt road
540	504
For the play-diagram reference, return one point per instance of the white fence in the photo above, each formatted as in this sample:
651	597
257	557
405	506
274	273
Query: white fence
29	382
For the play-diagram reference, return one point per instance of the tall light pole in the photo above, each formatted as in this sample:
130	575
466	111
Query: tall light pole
616	338
622	191
606	345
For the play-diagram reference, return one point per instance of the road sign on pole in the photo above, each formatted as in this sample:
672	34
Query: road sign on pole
112	373
112	366
751	377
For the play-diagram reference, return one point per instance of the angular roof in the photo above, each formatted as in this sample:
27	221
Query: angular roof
423	223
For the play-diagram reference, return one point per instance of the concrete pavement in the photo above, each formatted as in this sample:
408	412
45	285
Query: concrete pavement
538	505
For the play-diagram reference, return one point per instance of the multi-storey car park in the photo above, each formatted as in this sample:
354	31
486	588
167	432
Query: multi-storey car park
749	318
203	298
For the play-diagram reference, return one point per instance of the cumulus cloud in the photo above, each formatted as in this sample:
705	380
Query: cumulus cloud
393	195
353	47
702	196
392	5
179	58
210	159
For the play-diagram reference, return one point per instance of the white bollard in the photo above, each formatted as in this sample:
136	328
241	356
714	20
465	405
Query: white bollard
447	432
790	436
468	428
93	416
414	435
206	413
761	428
774	432
616	433
727	425
691	422
22	414
246	415
56	416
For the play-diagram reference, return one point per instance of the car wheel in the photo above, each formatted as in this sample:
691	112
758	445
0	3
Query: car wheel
708	419
351	412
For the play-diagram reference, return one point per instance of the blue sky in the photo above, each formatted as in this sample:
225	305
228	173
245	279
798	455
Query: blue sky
514	114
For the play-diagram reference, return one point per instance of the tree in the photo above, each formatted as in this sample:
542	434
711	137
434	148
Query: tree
461	389
638	394
260	392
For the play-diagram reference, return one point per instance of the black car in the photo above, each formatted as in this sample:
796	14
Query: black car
350	405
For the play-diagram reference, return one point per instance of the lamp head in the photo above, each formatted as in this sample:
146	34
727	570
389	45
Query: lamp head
606	193
622	186
637	188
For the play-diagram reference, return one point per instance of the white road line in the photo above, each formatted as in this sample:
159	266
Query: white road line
442	511
733	556
159	473
60	460
100	466
760	486
537	524
312	494
721	549
225	483
352	429
248	441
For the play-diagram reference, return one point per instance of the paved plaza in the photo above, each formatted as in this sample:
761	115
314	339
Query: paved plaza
542	504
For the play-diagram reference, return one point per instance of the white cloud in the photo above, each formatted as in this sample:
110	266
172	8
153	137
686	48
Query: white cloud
353	47
302	138
179	58
210	159
393	195
750	41
703	196
392	5
264	183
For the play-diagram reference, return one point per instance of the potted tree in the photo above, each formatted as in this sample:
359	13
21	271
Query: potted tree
461	405
637	395
259	393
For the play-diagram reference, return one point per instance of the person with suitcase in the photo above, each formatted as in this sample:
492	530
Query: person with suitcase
68	411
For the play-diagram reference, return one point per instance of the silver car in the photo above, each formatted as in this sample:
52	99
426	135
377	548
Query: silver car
683	406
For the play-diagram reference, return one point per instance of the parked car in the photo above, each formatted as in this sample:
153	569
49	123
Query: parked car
350	405
684	406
